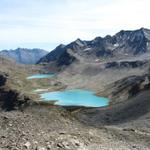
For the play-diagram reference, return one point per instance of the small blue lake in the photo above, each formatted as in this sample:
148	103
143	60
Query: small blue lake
75	97
41	76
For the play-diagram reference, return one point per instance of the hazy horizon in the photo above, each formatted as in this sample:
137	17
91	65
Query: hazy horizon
45	24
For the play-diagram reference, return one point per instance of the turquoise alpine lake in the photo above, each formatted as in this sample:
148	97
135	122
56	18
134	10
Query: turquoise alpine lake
76	97
41	76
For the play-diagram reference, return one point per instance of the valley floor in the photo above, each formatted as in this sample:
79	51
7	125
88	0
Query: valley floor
123	126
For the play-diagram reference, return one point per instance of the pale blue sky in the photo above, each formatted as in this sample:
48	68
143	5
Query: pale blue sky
47	23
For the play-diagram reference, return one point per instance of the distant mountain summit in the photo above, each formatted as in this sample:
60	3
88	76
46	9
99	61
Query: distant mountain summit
122	44
24	55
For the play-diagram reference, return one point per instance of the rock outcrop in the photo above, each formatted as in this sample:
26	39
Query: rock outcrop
126	88
11	99
3	78
125	64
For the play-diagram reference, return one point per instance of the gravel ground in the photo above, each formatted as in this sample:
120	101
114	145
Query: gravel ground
42	128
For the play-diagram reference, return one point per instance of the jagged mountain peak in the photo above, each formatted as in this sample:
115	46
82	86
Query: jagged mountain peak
77	42
146	33
97	38
61	46
140	31
144	29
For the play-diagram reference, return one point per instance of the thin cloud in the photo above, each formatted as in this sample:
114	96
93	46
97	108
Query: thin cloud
61	21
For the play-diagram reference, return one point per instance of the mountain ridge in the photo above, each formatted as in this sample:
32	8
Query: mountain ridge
123	44
24	55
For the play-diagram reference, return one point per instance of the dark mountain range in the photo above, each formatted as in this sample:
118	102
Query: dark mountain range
23	55
122	44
